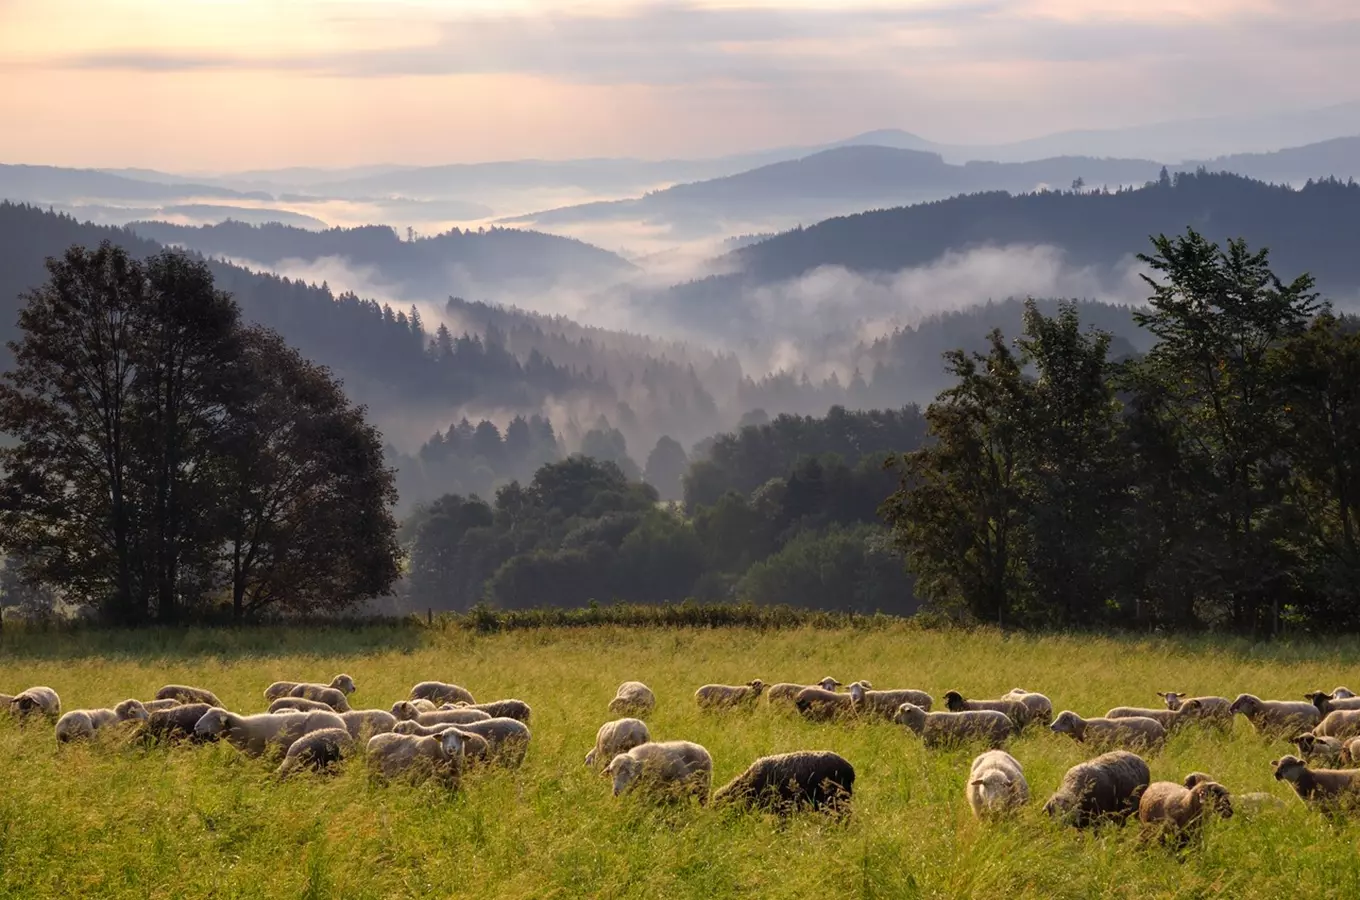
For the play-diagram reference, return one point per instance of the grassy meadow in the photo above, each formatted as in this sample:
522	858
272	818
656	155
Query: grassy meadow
109	820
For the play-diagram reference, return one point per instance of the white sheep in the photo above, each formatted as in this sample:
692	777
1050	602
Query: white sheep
1276	718
298	704
944	728
1041	708
364	723
438	692
996	784
1127	733
509	739
670	769
787	692
475	747
613	738
41	700
726	696
186	694
633	698
417	759
884	704
335	698
497	709
253	735
343	683
83	723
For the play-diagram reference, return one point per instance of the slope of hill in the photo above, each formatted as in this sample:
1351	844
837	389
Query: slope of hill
53	185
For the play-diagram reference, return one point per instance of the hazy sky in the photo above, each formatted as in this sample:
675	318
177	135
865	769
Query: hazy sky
214	85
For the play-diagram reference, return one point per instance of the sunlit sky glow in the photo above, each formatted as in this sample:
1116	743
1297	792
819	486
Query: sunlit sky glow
211	85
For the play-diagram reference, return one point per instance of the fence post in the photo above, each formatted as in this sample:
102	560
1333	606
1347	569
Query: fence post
429	615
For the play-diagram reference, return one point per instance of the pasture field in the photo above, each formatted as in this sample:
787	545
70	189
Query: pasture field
112	820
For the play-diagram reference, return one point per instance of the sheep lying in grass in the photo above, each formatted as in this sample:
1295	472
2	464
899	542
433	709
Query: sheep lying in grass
1040	707
728	696
1170	719
1276	718
1339	723
317	750
332	697
1019	714
39	700
81	724
613	738
438	692
498	709
177	722
1329	790
1177	813
1215	712
1129	733
509	739
1327	703
820	705
665	770
184	693
818	779
786	692
996	785
253	735
633	698
1315	748
941	729
362	724
884	704
1104	789
342	683
298	704
417	759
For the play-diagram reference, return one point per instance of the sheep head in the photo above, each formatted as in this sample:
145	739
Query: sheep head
624	769
212	723
129	710
1172	698
1214	796
344	684
828	683
1288	768
912	716
954	701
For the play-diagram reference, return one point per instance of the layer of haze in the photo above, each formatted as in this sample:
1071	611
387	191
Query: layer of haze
207	85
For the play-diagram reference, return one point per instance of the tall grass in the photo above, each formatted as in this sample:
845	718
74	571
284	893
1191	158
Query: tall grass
106	820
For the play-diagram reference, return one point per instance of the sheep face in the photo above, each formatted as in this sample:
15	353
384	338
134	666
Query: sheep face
1195	778
1173	699
857	691
1246	704
624	770
1059	806
1305	742
1288	768
912	716
130	710
994	788
344	684
1214	796
828	683
954	702
212	724
1066	723
756	685
451	744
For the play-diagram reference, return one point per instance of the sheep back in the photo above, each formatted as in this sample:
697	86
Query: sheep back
1106	788
317	750
819	779
439	692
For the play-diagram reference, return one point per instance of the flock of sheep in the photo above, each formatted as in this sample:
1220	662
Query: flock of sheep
440	729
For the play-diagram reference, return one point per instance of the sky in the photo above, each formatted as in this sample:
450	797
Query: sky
213	85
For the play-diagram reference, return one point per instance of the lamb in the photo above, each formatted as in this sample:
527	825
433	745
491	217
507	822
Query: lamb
1325	789
1129	733
786	692
1316	748
633	698
253	735
509	739
884	704
439	692
1170	719
298	704
1276	718
666	770
1327	703
342	683
186	694
39	699
996	785
1040	706
938	729
820	705
364	723
727	696
818	779
1340	723
1019	714
332	697
418	759
1214	711
1177	812
177	722
316	750
83	723
1104	789
498	709
613	738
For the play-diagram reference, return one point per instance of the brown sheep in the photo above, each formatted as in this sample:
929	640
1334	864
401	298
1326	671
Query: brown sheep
317	750
498	709
1041	708
633	699
1129	733
298	704
1215	712
818	779
940	729
786	692
884	704
1326	789
416	759
1276	718
1315	748
669	770
1339	723
332	697
342	683
40	700
1104	789
1019	714
728	696
820	705
438	692
177	722
253	735
186	694
1177	813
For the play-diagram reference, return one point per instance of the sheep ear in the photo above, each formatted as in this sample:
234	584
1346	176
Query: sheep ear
977	781
1274	762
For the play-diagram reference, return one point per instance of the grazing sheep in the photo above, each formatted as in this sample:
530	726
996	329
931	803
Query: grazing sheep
727	696
417	759
298	704
1129	733
786	692
253	735
666	770
362	724
1326	789
613	738
1276	718
1039	705
177	722
1170	719
1340	723
1177	813
186	694
884	704
1327	703
498	709
1316	748
818	779
475	747
332	697
1019	714
996	785
820	705
408	709
633	698
509	739
40	699
938	729
83	723
1106	788
316	750
438	692
342	683
1215	712
461	716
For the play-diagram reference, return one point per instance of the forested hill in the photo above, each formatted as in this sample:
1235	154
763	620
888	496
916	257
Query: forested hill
1309	229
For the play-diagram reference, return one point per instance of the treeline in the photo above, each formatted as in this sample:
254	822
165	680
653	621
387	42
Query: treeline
1211	482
